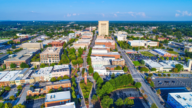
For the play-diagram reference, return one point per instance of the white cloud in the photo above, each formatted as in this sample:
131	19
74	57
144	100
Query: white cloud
134	14
115	15
183	13
68	15
74	14
176	15
103	15
186	13
32	11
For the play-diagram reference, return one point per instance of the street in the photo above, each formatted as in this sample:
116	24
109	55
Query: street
152	97
23	95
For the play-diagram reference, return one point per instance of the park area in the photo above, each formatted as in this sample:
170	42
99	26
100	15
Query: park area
136	63
172	52
86	89
146	53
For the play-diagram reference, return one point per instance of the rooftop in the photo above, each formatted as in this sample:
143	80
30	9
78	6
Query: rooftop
67	105
43	71
55	83
109	53
57	67
104	40
2	74
185	99
3	55
11	75
57	96
22	55
52	50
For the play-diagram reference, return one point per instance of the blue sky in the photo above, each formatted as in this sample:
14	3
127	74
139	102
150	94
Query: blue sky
91	10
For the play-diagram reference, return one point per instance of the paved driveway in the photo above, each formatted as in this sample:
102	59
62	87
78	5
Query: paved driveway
23	94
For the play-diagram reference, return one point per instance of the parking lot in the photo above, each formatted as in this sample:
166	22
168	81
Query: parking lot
35	103
125	93
173	75
172	82
138	57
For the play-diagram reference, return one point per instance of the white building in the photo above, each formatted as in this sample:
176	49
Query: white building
99	51
122	37
99	61
43	73
144	43
67	105
71	35
180	100
135	35
167	65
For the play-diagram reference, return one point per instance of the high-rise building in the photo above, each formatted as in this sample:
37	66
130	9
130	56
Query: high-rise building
103	28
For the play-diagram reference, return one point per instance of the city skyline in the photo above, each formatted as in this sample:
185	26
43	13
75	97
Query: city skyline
85	10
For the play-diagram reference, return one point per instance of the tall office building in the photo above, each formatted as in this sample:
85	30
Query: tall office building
103	28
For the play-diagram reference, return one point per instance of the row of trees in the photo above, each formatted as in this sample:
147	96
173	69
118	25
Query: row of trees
53	79
22	65
90	70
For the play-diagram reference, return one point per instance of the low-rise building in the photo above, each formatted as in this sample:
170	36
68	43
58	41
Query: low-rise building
188	48
136	35
122	37
24	56
105	42
79	44
180	100
20	40
109	54
67	105
57	98
137	43
32	45
57	43
162	39
99	61
60	70
23	35
3	57
43	74
164	53
51	55
118	62
45	87
101	47
71	35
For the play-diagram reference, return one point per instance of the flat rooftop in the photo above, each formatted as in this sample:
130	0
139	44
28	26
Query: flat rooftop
43	72
67	105
104	40
57	67
185	98
52	50
109	53
153	64
2	74
55	83
22	55
11	75
3	55
57	96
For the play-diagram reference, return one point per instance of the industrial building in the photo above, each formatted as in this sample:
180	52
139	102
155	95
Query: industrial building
143	43
105	42
24	56
167	65
164	53
180	100
32	45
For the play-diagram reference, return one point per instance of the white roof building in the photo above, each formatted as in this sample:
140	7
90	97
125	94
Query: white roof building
67	105
71	35
44	72
58	96
144	43
57	67
10	76
99	61
180	100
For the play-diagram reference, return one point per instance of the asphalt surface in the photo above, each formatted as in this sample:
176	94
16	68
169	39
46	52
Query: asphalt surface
23	95
152	97
35	103
12	92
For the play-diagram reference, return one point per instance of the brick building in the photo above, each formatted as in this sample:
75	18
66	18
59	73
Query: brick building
118	62
51	55
57	43
44	88
109	54
162	39
105	42
20	40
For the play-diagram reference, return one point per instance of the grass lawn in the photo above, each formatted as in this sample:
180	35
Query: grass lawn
146	53
172	52
136	63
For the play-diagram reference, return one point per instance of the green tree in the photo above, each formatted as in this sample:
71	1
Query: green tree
138	85
113	76
42	65
106	102
142	62
79	60
118	68
90	69
94	99
12	97
13	47
128	102
179	67
4	66
74	62
52	64
174	70
19	106
51	91
125	69
66	77
172	58
152	84
13	65
19	87
53	79
59	78
96	76
89	60
159	91
153	69
119	102
107	87
153	105
6	106
24	65
7	88
99	81
144	69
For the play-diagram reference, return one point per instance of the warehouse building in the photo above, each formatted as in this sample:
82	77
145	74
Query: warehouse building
144	43
32	45
164	53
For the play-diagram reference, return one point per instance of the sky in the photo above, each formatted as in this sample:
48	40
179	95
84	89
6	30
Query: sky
93	10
